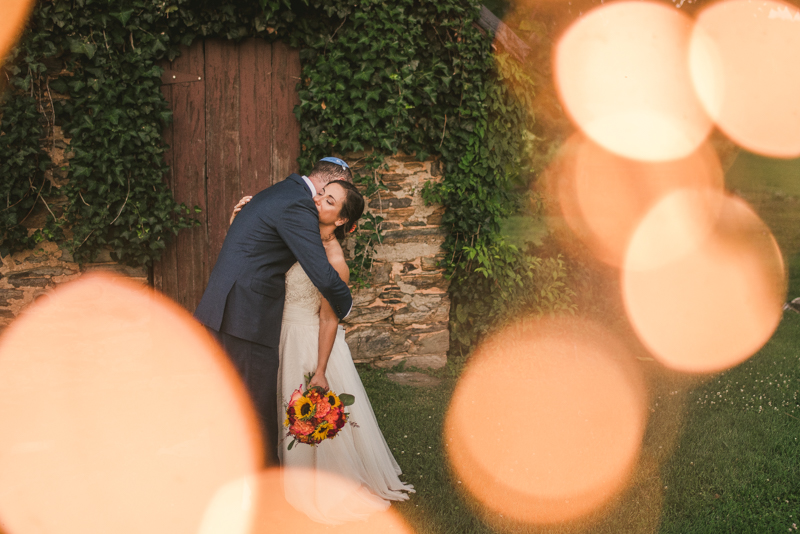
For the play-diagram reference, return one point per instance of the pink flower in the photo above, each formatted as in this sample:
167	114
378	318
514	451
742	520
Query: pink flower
295	395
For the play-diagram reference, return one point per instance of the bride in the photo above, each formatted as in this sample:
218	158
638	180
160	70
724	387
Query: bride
312	342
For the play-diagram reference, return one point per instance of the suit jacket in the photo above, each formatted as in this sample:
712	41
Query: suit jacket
245	292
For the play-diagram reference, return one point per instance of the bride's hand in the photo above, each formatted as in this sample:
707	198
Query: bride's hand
319	380
238	207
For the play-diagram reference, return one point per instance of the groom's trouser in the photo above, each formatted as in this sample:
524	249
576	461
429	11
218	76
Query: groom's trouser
258	369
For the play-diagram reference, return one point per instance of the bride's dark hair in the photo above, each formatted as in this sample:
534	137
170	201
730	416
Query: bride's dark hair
352	208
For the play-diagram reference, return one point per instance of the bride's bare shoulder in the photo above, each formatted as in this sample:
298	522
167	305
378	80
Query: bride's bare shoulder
337	261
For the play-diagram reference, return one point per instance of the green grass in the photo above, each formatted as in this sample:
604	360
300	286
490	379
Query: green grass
738	465
737	468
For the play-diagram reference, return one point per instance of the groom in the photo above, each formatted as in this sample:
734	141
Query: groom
243	303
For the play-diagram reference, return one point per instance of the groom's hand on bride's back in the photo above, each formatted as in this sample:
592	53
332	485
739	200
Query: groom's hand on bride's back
238	207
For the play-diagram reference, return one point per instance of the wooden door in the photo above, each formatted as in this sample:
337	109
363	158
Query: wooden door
233	133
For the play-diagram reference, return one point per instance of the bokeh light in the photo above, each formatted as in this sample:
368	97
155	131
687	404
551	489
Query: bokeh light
118	413
12	22
744	58
256	505
603	197
545	424
703	294
622	74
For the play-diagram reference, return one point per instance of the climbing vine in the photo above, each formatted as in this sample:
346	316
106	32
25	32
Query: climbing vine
416	76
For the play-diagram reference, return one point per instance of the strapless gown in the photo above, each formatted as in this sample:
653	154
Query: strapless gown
358	458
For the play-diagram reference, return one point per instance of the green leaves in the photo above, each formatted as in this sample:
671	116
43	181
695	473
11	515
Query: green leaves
124	16
81	47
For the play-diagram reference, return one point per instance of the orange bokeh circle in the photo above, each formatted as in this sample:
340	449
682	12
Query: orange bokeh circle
15	13
256	504
703	291
545	425
119	413
743	59
623	78
603	197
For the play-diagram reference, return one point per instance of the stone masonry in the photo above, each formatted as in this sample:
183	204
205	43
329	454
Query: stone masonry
31	274
404	313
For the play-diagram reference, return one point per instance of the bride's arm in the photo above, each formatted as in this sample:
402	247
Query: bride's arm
328	323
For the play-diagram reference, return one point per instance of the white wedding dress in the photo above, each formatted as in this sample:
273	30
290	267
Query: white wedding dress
358	458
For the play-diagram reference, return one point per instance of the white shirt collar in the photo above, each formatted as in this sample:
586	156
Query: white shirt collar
310	186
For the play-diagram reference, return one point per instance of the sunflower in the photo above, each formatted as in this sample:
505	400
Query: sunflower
304	408
322	431
333	400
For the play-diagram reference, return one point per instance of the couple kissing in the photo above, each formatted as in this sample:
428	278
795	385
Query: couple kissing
273	301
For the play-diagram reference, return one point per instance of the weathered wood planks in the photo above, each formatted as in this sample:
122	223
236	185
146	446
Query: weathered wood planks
233	133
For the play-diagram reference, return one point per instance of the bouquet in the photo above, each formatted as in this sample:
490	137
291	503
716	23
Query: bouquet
314	414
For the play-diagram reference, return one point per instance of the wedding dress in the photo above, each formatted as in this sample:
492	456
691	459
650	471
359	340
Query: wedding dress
358	458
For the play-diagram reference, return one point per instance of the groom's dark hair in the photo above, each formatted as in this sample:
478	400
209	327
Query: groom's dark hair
326	171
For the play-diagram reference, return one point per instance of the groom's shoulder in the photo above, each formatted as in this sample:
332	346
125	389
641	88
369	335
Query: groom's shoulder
293	185
285	192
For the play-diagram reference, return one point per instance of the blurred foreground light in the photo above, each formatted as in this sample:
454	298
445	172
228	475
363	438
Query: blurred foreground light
546	424
623	77
13	14
603	197
703	291
256	505
744	59
118	413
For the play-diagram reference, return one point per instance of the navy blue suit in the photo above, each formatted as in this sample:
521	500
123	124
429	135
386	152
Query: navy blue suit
243	302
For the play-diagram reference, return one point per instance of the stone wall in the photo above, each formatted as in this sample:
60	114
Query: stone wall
404	313
31	274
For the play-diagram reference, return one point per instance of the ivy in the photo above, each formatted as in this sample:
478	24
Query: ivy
378	78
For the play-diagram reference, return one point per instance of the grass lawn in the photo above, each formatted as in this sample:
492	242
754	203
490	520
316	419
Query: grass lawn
720	454
738	465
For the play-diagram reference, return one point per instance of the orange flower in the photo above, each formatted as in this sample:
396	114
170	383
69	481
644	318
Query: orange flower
323	407
302	428
333	416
